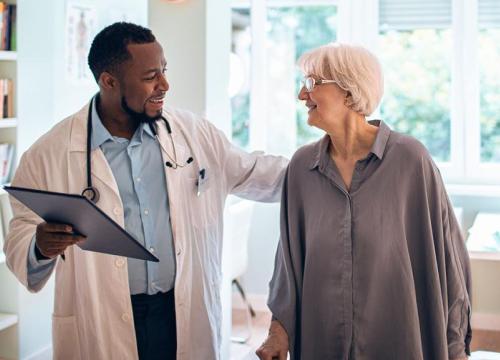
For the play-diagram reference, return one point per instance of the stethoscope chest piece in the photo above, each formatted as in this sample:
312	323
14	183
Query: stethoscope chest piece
91	194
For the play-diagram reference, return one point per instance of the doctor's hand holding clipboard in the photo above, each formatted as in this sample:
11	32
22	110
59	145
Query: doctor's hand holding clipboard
52	239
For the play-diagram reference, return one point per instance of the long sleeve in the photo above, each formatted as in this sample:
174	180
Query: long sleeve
458	277
253	176
38	270
284	286
23	226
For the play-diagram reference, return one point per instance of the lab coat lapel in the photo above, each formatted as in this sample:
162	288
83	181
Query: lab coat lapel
102	175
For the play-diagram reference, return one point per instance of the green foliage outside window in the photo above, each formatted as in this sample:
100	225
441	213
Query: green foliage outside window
312	26
417	86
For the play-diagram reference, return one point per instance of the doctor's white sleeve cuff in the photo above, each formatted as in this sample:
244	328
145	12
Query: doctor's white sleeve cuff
37	269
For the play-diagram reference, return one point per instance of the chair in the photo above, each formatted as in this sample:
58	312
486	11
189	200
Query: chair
239	215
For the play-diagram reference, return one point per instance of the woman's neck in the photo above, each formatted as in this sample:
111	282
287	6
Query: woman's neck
352	138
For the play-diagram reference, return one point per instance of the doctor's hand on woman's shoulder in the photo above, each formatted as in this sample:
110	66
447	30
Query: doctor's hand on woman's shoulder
52	239
276	344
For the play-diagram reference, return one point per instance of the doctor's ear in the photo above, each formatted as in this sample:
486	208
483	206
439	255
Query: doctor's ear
108	81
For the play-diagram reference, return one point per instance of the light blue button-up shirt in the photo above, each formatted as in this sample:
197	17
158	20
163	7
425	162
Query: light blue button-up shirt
138	168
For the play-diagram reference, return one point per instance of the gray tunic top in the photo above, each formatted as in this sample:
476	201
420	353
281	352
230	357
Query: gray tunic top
377	272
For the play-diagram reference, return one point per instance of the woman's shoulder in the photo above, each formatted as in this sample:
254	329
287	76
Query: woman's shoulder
407	148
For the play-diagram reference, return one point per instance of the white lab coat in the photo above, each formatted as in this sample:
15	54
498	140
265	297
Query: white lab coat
92	316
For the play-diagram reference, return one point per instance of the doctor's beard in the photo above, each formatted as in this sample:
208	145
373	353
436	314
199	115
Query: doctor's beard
140	117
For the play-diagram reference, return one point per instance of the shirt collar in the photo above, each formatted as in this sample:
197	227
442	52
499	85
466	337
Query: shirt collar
100	134
378	147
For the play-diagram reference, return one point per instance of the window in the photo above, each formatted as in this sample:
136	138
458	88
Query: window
239	85
441	74
415	49
292	31
489	79
282	33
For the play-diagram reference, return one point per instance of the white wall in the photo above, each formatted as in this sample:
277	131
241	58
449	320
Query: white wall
45	97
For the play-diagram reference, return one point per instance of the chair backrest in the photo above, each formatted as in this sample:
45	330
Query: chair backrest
237	228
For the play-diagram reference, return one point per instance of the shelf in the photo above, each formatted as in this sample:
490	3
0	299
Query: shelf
7	320
8	123
8	55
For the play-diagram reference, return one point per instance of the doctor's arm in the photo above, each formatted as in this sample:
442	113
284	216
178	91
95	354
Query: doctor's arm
254	176
26	231
38	268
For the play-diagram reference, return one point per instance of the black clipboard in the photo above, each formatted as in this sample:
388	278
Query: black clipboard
103	234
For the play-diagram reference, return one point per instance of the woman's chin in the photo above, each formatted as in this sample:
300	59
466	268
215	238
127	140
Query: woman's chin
312	120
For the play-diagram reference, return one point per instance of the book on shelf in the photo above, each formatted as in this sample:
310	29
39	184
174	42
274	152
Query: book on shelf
6	161
8	32
6	98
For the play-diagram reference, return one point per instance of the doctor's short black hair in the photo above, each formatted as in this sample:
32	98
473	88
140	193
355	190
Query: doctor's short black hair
109	47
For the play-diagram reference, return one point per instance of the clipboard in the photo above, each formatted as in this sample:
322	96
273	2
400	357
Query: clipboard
103	234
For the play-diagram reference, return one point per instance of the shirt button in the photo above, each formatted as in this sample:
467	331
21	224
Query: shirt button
119	263
138	179
126	317
146	212
152	249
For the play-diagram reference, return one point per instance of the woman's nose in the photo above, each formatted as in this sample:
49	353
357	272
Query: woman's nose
303	94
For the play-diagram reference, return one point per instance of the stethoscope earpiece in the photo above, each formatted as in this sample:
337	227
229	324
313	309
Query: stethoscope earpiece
170	165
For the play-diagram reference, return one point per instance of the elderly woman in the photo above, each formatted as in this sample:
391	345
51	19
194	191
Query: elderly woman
371	262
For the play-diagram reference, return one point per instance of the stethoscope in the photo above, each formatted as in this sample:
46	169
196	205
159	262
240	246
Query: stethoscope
91	192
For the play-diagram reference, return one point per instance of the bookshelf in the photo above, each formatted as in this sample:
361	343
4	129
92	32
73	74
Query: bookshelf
9	296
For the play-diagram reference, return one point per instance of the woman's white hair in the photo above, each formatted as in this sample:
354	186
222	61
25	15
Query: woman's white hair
355	69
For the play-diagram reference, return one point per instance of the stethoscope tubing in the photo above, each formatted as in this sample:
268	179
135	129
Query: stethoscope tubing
91	193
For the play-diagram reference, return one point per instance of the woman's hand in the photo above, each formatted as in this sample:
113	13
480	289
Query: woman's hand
276	344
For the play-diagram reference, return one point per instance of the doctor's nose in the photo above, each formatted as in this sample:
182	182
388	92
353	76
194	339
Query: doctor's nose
163	84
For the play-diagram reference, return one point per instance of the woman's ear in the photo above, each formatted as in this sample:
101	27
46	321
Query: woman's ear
348	99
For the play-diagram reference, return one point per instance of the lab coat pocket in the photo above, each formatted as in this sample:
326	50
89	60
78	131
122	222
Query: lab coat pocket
204	201
65	338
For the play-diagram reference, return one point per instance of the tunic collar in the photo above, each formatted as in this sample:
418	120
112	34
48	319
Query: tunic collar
378	147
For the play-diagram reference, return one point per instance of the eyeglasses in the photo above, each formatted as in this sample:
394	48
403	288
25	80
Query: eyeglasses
309	83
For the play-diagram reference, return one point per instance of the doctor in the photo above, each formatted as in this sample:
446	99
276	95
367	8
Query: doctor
161	173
